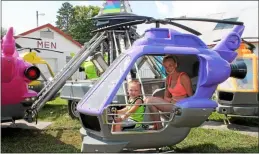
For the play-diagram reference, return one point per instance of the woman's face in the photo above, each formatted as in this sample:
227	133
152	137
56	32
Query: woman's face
170	66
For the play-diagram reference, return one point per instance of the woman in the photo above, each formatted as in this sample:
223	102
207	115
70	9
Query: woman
178	86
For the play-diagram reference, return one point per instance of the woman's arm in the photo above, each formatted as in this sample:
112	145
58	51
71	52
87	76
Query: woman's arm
187	84
167	95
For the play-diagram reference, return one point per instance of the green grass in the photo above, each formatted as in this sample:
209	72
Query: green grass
63	136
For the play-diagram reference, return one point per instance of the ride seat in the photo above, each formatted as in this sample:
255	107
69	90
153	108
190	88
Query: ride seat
194	83
195	77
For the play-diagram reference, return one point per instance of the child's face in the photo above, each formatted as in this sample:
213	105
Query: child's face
134	90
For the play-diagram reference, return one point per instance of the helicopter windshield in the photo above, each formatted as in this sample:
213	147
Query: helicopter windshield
107	81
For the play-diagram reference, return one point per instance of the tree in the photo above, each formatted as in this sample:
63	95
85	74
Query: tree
65	17
3	31
81	28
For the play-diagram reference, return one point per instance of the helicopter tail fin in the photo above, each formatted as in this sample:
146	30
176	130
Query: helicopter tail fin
8	43
227	46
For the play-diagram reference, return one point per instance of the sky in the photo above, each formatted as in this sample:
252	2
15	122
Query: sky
22	14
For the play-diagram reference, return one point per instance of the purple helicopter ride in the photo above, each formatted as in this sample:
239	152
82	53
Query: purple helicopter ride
97	112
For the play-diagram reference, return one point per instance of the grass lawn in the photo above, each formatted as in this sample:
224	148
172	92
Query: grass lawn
63	136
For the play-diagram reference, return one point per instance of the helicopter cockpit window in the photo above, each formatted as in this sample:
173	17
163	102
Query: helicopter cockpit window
108	82
247	82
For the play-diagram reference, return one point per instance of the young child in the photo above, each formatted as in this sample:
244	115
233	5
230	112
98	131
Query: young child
129	118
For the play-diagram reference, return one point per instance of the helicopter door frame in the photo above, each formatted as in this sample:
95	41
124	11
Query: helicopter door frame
107	112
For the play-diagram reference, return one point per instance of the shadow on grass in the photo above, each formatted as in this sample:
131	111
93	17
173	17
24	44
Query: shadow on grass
253	122
16	140
212	148
243	128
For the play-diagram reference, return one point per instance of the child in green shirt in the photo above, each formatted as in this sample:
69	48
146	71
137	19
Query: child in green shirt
129	118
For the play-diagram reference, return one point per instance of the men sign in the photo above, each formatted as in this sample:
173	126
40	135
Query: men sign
46	44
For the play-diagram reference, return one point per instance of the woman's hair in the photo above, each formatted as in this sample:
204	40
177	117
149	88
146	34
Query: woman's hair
171	57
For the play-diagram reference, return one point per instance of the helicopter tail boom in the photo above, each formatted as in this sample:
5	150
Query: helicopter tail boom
227	46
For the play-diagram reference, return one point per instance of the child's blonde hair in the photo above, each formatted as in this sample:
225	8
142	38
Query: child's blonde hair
136	82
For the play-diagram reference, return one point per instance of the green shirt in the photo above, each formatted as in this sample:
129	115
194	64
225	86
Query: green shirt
141	109
90	70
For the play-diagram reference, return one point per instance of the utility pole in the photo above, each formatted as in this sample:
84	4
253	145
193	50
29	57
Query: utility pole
37	17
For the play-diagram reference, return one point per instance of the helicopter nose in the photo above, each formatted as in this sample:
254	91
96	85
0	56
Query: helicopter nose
238	70
32	73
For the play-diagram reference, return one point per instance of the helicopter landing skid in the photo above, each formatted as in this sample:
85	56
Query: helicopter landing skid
226	120
28	117
154	150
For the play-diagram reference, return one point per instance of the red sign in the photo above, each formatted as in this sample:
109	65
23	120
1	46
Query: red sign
46	44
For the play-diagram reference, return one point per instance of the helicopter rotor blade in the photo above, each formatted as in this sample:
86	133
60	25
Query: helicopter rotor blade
185	28
125	16
208	20
130	23
216	40
18	45
36	50
164	22
33	38
47	50
20	49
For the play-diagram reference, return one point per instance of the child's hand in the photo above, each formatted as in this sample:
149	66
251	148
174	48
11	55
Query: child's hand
123	117
117	120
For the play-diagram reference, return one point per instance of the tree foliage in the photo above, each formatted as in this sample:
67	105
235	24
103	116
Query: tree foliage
65	17
82	26
74	20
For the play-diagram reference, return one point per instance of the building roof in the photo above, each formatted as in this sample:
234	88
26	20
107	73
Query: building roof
54	29
248	15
